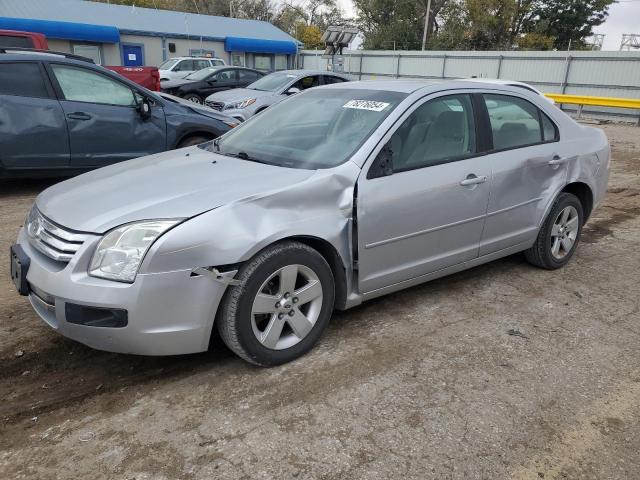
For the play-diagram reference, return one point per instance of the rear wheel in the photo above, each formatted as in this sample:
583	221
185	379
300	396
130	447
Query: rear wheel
192	97
281	307
559	236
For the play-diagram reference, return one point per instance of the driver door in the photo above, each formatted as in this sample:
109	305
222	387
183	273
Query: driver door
421	206
103	120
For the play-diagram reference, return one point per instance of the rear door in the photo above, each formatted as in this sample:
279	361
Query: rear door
529	164
33	130
427	210
103	120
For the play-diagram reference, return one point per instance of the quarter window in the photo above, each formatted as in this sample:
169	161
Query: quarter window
308	82
328	80
514	122
82	85
439	131
247	76
549	129
22	79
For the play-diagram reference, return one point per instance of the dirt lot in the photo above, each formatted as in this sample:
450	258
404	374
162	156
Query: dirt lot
426	383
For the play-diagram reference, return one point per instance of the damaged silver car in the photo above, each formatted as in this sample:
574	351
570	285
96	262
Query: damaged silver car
332	197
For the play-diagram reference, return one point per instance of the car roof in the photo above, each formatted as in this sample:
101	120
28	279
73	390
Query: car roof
196	58
303	72
12	54
410	86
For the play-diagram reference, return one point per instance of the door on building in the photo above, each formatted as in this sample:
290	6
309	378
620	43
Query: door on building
132	55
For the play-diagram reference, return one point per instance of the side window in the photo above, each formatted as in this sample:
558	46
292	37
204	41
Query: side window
247	76
184	66
549	129
308	82
200	64
81	85
224	77
439	131
514	122
328	80
22	79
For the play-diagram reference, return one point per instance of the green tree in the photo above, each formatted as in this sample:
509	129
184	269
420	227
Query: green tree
535	41
568	20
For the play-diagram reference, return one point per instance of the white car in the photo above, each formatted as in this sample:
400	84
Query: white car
180	67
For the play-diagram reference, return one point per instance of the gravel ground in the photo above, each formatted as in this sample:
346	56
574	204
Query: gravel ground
425	383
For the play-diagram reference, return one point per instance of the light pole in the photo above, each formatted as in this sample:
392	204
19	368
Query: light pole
426	25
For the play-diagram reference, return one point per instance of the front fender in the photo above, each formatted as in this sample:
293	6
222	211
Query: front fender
320	207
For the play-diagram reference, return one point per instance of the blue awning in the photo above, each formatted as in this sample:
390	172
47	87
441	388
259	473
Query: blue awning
255	45
63	30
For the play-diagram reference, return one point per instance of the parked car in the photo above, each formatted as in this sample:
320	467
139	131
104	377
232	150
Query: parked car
330	198
15	38
197	86
243	103
60	114
180	67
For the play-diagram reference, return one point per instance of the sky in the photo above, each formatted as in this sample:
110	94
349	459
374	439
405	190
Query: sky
624	17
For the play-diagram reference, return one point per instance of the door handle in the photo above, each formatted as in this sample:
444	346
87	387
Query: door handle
79	116
557	160
473	180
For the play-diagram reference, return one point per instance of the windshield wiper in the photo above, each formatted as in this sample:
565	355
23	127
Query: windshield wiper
243	156
216	143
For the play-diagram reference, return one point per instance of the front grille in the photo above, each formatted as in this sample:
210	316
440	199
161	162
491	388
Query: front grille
54	241
215	105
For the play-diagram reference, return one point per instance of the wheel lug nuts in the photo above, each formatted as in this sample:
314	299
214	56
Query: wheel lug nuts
291	313
277	304
280	316
287	295
295	299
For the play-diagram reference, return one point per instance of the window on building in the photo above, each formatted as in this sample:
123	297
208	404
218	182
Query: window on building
514	121
262	62
281	62
237	59
82	85
22	79
90	51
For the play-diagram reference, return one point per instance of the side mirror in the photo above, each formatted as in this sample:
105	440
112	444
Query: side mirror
144	108
382	166
292	91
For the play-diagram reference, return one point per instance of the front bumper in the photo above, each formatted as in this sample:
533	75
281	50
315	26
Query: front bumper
169	313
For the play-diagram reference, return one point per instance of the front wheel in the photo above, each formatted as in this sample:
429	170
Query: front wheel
281	307
560	233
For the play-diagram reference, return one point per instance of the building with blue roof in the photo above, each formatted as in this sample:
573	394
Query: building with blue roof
134	36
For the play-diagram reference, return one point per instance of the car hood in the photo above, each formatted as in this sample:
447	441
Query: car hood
176	184
174	83
238	94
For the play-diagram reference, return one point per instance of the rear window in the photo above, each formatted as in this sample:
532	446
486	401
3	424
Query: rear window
23	79
15	41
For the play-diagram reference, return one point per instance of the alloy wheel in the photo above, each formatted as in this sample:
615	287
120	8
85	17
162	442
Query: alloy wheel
286	307
564	232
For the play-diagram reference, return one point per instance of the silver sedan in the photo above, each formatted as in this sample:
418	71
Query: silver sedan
328	199
243	103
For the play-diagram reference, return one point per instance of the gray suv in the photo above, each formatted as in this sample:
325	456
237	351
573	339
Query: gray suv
62	114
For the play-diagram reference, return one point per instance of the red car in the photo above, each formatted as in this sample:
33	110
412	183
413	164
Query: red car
148	77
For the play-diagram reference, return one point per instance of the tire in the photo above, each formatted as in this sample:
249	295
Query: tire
195	140
262	281
559	236
193	97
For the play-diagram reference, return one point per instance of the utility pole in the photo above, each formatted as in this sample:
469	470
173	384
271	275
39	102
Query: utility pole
426	25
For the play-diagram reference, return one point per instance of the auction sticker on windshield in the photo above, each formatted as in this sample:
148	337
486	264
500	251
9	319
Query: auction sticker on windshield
366	105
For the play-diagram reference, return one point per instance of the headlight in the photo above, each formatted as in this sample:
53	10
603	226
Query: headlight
120	252
242	104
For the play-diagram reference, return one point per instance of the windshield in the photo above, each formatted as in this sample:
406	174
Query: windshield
316	129
168	64
273	82
201	74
